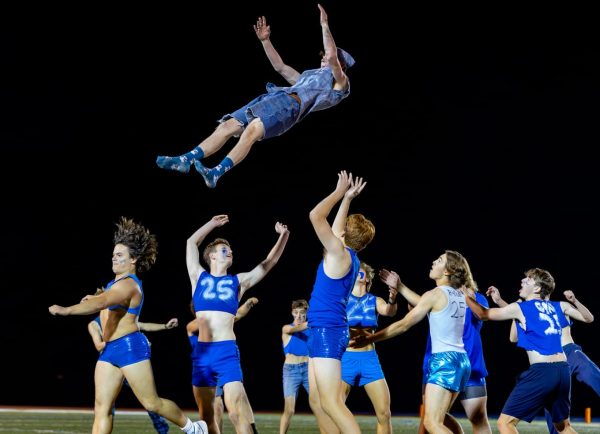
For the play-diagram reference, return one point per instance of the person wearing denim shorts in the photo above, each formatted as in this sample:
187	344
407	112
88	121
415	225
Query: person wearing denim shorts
295	367
275	112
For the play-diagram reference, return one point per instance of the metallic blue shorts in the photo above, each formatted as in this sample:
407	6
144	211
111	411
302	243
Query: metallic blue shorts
126	350
450	370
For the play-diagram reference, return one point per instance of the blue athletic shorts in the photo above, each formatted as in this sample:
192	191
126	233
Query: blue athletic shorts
294	376
216	364
126	350
449	369
543	385
328	342
361	367
278	112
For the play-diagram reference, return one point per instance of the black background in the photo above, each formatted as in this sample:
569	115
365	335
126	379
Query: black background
475	129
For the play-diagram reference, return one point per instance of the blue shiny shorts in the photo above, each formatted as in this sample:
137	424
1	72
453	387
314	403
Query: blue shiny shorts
328	342
216	364
294	376
278	112
126	350
361	367
449	369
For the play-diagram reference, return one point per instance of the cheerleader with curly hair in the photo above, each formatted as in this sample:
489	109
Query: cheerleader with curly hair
127	351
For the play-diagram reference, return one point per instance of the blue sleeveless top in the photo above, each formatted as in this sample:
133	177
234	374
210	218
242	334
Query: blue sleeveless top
216	293
327	305
362	311
543	326
297	344
132	310
315	89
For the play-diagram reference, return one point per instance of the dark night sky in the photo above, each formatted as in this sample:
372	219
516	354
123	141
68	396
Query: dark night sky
475	130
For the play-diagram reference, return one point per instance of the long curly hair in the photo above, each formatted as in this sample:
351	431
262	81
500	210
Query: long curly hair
141	243
459	272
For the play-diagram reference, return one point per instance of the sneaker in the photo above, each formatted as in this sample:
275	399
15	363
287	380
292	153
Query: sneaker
200	427
210	178
180	164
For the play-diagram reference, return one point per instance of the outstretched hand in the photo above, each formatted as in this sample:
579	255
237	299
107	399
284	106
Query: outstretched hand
280	228
172	323
55	309
494	293
357	185
390	278
262	29
570	296
344	182
219	220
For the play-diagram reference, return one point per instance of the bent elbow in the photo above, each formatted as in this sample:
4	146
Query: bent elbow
590	319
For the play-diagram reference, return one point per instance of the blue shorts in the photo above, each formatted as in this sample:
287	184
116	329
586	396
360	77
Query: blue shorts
449	369
294	376
543	385
216	364
361	367
126	350
328	342
278	112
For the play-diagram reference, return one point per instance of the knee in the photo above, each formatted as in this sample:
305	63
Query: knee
229	128
384	415
478	417
430	423
289	411
152	405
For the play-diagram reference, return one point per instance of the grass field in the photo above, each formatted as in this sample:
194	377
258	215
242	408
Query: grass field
32	421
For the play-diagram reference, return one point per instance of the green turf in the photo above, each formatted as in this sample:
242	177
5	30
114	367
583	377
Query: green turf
31	421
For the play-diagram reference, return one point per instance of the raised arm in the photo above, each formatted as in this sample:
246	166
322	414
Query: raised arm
119	293
331	54
511	311
192	255
245	308
424	306
289	329
339	223
496	298
575	309
155	327
251	278
96	333
392	280
336	256
263	33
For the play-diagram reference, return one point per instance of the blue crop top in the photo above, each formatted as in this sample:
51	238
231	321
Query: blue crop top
297	343
217	293
543	329
132	310
362	311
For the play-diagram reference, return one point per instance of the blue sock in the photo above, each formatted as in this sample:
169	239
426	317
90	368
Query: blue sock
211	176
195	154
160	425
182	163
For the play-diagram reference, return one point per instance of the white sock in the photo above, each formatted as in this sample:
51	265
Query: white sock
188	428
